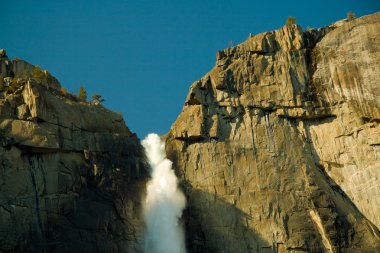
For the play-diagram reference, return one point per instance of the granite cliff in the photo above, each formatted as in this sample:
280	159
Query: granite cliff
277	149
71	173
278	146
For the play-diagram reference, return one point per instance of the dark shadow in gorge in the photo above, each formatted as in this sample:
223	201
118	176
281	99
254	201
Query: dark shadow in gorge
212	224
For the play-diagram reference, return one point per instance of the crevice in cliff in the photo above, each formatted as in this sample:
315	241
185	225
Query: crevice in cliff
72	128
33	168
28	150
254	149
314	35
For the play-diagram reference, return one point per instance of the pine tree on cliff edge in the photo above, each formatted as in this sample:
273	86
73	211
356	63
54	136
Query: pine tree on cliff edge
82	93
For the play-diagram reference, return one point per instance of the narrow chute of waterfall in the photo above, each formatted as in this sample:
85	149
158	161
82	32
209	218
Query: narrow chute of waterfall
164	202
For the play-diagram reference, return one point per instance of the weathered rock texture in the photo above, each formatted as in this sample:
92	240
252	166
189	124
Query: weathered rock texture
278	145
71	173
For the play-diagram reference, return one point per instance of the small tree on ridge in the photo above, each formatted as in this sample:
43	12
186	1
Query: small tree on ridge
351	15
291	20
82	93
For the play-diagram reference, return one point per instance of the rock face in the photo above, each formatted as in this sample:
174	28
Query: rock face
71	173
278	146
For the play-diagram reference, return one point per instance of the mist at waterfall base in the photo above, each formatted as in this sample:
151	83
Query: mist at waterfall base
164	202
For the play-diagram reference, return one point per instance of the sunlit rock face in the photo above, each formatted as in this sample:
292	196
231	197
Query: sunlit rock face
71	173
278	146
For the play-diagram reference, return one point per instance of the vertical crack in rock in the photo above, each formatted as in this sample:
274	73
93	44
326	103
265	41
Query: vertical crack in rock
33	170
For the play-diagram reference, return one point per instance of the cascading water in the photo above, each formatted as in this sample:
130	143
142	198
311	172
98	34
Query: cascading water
164	202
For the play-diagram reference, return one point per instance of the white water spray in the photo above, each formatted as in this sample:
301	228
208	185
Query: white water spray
164	202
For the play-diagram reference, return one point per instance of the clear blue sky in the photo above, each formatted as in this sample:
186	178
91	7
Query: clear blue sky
142	56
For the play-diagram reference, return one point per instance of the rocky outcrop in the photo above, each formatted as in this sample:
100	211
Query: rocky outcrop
278	145
18	68
71	173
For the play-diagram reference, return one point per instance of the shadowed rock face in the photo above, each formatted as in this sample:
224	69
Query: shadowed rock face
278	145
71	174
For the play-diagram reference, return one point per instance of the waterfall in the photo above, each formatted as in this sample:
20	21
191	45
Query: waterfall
164	202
